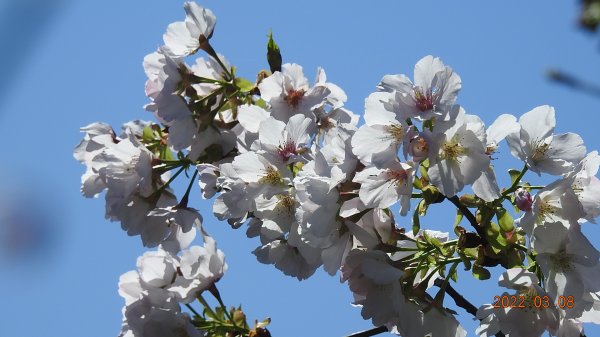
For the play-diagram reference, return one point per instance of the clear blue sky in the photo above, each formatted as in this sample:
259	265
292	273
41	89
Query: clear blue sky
86	67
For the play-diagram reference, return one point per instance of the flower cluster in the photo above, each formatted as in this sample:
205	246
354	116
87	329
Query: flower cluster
286	158
162	281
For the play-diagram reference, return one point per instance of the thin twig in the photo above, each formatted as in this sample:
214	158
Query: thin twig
470	217
460	300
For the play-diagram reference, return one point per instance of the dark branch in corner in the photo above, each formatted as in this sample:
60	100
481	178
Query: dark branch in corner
460	300
573	82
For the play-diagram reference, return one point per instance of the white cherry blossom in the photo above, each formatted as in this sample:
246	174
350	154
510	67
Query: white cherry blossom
378	141
186	37
384	187
98	136
318	210
164	78
285	143
555	203
288	93
431	95
374	285
571	268
531	321
291	260
587	186
200	268
457	154
540	149
486	186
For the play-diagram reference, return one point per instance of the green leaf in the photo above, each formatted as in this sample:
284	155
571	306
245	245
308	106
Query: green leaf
209	314
296	168
243	84
512	259
505	221
220	313
497	241
454	276
480	273
471	252
239	318
428	124
532	265
423	170
484	215
457	220
148	134
434	242
465	259
514	174
261	103
416	223
431	194
447	250
422	207
166	154
273	54
418	184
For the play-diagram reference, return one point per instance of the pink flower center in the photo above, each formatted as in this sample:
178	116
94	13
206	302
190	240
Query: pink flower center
287	150
423	100
399	177
293	97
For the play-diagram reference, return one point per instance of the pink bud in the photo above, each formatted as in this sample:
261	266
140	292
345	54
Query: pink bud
523	200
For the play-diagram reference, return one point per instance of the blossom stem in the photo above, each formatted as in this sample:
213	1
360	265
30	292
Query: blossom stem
206	306
533	187
192	310
416	195
162	188
215	292
167	166
517	181
200	79
526	250
450	243
370	332
184	201
439	297
211	51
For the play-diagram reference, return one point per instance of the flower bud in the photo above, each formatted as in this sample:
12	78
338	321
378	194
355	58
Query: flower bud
523	199
418	148
470	200
259	332
432	195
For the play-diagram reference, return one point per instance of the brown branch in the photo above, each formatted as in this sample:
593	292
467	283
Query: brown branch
370	332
